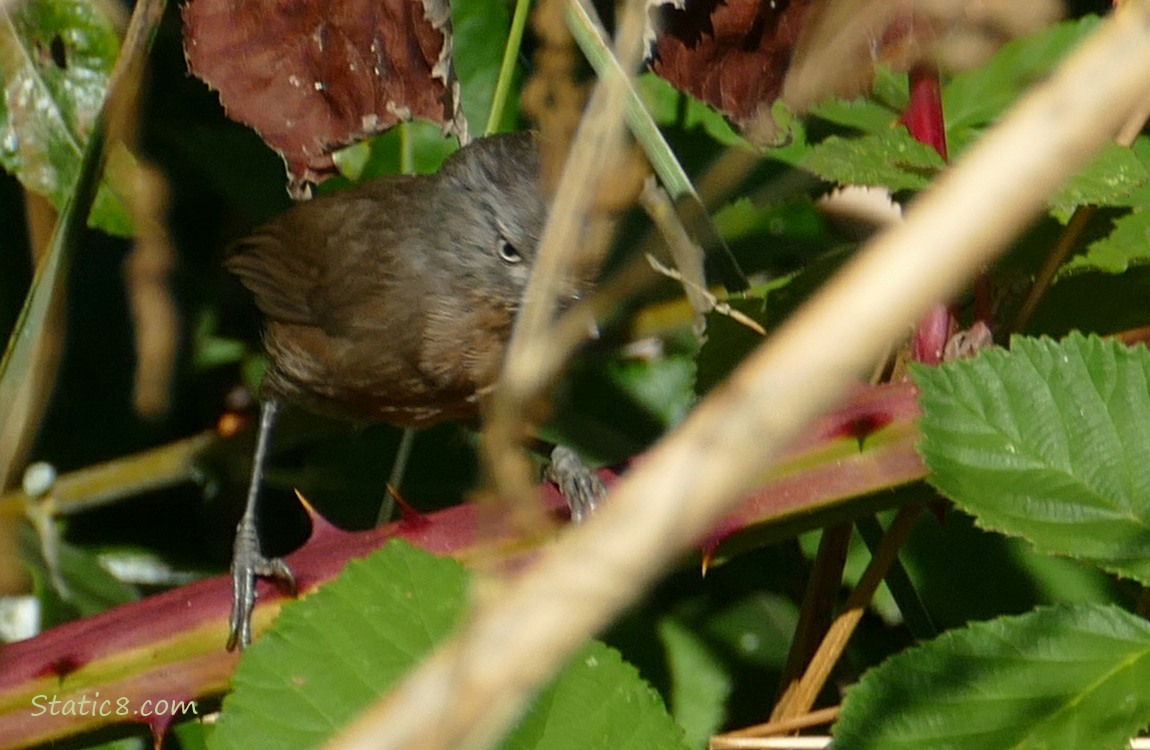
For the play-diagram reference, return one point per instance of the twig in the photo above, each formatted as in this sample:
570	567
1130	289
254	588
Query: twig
802	695
731	740
705	301
686	254
774	743
105	483
148	273
817	610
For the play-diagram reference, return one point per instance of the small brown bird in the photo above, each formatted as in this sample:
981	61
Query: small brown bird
391	301
394	300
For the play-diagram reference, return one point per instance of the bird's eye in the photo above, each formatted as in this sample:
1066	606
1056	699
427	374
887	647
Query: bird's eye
507	252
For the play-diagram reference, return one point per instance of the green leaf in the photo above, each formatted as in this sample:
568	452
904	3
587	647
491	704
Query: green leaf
56	57
700	683
664	386
415	147
598	701
977	97
1049	441
1060	677
671	107
729	341
1140	197
891	88
1096	302
1114	174
192	735
864	114
756	629
480	29
950	567
330	655
893	160
794	220
209	348
311	675
876	113
1128	244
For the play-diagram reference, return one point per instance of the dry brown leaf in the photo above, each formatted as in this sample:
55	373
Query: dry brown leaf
743	55
733	55
314	75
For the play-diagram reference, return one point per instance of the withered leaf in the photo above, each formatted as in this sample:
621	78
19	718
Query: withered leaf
740	56
731	54
311	76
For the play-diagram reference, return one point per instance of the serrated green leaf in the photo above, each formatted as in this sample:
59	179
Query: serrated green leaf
978	96
893	160
1049	441
56	57
330	655
598	701
875	113
865	114
1113	175
1060	677
891	88
1140	197
1128	244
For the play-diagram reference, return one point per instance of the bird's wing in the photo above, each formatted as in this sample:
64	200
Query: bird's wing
318	264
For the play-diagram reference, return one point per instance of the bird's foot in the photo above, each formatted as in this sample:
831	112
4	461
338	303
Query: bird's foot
580	486
249	564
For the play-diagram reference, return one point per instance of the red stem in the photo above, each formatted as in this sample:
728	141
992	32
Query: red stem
923	116
924	119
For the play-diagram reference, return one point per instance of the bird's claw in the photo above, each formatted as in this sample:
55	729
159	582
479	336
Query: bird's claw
580	486
248	565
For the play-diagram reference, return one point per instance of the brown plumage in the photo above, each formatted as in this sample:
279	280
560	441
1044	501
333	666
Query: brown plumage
394	300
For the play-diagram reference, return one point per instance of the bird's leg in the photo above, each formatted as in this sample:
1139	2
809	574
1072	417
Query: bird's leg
577	482
248	562
395	481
